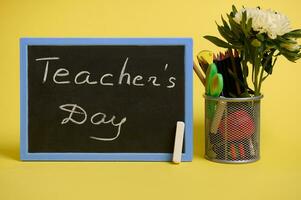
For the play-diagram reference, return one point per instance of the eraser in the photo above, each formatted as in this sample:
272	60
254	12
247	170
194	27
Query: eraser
178	146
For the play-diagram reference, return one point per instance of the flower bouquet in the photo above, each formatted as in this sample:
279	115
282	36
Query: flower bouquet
254	39
259	37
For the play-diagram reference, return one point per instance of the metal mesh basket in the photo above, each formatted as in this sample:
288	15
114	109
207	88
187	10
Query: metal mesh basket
232	129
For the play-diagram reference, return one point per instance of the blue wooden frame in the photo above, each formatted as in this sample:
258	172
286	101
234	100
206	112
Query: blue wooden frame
25	155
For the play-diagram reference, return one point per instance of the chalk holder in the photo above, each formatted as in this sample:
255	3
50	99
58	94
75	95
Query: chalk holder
232	129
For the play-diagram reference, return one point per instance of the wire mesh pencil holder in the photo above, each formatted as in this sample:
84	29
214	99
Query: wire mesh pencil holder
232	129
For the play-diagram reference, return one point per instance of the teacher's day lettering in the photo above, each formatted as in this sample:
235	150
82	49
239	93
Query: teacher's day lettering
76	114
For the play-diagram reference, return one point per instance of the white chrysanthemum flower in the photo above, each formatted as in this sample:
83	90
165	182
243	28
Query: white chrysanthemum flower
266	21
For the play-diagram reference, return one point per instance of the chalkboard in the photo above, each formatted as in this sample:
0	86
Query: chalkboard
105	99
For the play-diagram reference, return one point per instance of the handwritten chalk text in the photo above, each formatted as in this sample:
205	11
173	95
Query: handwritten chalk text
62	76
78	115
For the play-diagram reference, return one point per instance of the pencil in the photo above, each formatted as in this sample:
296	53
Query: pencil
199	73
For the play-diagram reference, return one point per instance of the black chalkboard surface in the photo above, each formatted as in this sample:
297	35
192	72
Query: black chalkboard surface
104	99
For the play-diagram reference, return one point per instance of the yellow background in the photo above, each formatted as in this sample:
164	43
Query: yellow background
275	176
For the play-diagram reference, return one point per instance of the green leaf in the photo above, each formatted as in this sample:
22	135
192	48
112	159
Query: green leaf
282	49
234	11
224	34
291	56
286	40
245	25
233	23
226	26
260	37
269	69
267	61
217	41
235	27
249	25
293	34
271	44
244	17
227	35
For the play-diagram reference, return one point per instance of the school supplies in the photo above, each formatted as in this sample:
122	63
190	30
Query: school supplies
228	64
216	85
178	146
211	72
240	125
205	57
199	73
229	131
221	105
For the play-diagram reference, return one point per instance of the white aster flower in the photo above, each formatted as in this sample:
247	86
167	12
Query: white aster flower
266	21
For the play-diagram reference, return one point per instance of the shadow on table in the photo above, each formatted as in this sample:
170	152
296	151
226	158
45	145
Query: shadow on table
198	139
10	151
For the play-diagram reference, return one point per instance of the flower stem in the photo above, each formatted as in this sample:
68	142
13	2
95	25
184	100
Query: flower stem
245	70
262	70
256	67
260	80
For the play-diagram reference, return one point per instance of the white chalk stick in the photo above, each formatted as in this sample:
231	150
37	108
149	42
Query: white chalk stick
178	146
